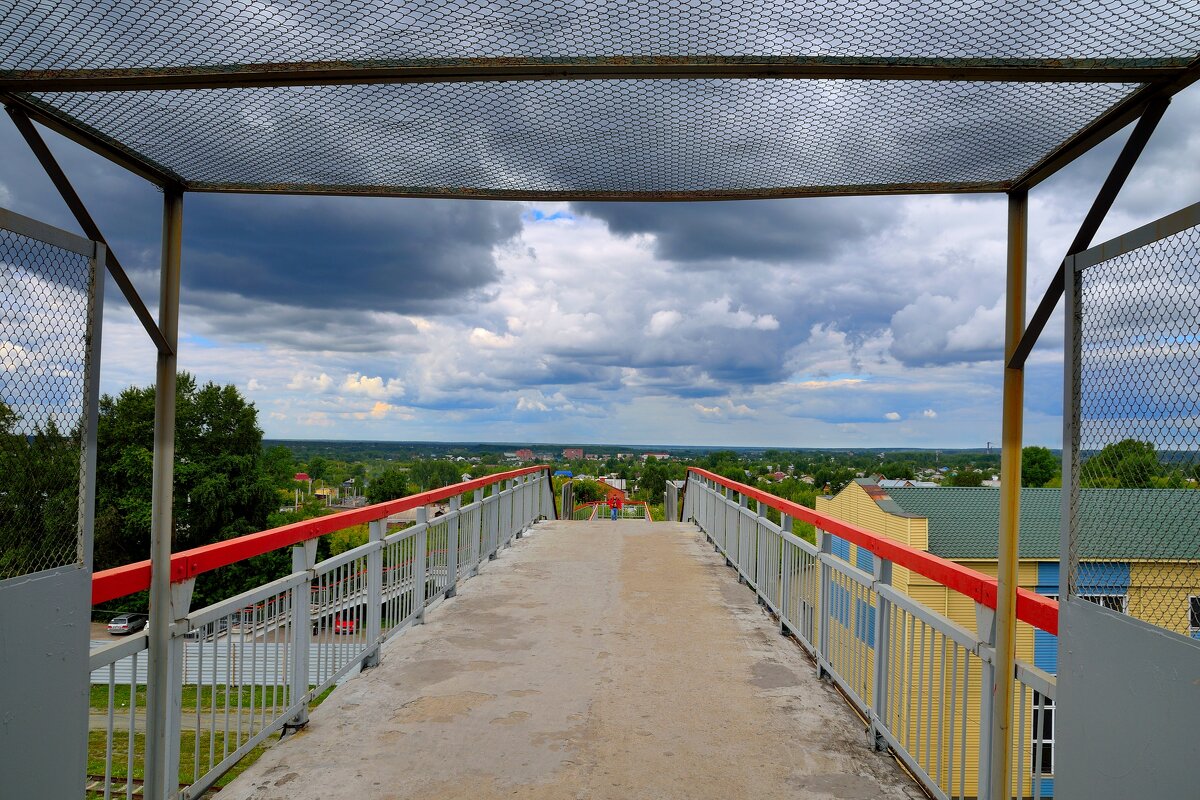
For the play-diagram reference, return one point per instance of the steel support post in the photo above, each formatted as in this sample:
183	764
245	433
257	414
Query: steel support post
785	573
160	783
477	531
883	655
743	507
823	613
376	530
760	552
181	602
491	523
420	563
1010	500
452	546
985	628
304	558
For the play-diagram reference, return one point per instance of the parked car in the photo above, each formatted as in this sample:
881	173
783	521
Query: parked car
126	624
343	624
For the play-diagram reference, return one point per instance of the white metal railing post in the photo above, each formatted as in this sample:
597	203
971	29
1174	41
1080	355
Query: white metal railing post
520	505
376	531
883	657
785	573
181	601
452	547
419	564
742	521
985	627
826	542
477	530
492	522
760	561
304	558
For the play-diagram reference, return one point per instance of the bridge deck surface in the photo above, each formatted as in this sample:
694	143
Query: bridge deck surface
591	660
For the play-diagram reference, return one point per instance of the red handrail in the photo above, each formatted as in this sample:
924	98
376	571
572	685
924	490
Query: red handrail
111	584
1040	612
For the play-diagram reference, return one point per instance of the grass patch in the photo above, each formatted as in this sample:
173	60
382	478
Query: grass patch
212	744
250	695
211	753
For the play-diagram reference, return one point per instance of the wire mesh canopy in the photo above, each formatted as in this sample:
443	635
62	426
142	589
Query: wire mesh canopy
620	99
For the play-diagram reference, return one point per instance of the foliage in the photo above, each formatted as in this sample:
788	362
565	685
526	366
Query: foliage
388	485
429	474
589	491
39	496
1127	464
965	477
1038	466
221	488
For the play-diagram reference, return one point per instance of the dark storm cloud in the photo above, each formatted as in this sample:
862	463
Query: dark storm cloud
408	256
782	231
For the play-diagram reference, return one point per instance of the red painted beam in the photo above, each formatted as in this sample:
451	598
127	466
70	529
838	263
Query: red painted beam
111	584
1040	612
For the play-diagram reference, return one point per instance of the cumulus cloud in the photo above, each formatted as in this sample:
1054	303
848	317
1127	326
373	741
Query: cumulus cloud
310	383
723	408
376	388
802	322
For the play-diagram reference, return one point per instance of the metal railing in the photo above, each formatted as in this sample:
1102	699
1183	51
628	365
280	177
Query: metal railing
919	680
249	666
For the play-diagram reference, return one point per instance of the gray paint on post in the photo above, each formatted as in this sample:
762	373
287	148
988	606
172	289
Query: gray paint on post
1128	701
43	702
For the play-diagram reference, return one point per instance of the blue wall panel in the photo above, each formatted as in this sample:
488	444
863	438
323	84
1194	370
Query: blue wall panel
865	560
864	621
840	547
1045	645
839	603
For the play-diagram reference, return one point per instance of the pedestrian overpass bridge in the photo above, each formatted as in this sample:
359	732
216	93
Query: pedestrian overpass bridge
592	659
637	101
501	649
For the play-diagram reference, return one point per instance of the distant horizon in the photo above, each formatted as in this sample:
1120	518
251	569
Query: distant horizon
629	446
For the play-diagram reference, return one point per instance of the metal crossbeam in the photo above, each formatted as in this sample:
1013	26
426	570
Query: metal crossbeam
326	73
54	171
1091	223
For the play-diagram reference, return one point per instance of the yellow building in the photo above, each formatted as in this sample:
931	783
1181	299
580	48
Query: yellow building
1134	561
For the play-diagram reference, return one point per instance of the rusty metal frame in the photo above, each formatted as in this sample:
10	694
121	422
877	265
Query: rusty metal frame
59	178
1163	78
327	73
1104	200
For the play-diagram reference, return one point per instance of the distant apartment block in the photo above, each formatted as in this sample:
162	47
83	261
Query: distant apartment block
525	454
573	453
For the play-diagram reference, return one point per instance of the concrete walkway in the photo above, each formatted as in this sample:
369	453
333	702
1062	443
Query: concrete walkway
591	660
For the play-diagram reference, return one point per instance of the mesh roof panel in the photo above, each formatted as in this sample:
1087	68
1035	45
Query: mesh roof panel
674	99
74	34
622	136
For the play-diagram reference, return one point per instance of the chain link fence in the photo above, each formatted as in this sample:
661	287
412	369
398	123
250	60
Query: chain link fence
1134	466
46	298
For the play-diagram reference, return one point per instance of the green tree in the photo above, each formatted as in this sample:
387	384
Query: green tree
221	489
1127	464
965	477
39	496
430	474
653	480
1038	466
388	485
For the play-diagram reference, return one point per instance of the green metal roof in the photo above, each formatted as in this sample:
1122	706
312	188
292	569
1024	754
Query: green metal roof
1120	524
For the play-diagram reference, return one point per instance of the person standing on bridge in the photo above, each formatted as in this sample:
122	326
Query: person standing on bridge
615	504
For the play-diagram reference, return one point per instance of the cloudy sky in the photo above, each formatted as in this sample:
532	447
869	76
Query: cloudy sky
839	322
